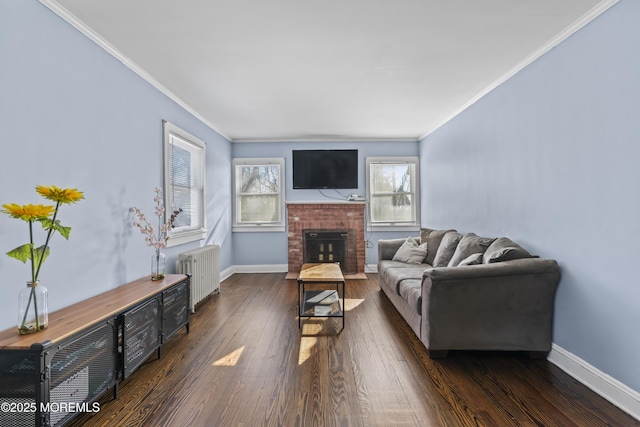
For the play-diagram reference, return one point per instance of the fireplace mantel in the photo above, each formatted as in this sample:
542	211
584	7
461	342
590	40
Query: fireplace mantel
319	215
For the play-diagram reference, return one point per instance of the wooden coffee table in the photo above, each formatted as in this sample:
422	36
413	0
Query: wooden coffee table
324	302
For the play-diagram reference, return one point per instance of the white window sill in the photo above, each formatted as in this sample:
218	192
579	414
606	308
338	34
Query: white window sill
187	237
391	227
258	229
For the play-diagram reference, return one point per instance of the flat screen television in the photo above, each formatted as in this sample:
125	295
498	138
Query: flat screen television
316	169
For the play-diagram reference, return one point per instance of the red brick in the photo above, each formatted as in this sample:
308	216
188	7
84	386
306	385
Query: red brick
330	216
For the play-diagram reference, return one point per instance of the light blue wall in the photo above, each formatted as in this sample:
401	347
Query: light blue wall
271	247
551	158
73	116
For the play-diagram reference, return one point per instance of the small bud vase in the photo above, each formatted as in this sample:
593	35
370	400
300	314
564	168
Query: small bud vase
157	266
33	312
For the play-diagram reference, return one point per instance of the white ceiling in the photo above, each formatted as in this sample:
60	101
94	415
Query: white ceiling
286	70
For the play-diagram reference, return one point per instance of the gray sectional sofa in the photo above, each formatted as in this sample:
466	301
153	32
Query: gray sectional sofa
466	292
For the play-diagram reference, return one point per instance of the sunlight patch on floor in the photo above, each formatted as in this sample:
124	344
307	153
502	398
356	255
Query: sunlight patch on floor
307	342
306	346
310	331
230	359
351	303
312	328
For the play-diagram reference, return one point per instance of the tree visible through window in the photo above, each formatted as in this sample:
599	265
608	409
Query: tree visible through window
258	192
393	190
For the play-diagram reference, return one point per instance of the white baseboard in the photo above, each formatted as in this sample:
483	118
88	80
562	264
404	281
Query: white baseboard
606	386
273	268
266	268
371	268
226	273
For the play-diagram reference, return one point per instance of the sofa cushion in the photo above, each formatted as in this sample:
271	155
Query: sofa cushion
394	275
410	252
411	291
432	238
469	244
446	249
385	264
504	249
473	259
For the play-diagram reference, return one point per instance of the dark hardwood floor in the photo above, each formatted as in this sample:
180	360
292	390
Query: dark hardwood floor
246	363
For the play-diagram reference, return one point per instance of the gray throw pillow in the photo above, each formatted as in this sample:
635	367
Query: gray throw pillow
432	238
410	252
504	249
469	244
446	249
473	259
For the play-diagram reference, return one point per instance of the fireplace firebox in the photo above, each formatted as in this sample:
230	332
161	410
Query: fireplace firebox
329	246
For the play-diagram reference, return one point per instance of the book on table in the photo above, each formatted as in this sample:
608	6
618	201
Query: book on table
322	303
322	310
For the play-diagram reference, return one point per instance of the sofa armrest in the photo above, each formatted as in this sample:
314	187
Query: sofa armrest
502	306
387	248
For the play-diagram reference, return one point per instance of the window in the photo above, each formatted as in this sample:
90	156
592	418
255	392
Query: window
258	193
393	192
184	178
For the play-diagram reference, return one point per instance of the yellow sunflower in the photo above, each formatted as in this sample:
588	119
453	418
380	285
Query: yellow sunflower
28	212
60	195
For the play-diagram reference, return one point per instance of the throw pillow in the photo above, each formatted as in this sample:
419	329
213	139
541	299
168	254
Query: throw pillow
446	249
504	249
433	239
473	259
469	244
410	252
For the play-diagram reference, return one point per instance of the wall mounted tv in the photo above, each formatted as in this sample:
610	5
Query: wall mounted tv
316	169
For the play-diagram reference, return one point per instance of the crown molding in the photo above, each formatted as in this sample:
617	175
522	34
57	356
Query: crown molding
97	39
596	11
324	138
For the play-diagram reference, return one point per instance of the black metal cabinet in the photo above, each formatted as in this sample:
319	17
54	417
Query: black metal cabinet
144	328
45	385
49	377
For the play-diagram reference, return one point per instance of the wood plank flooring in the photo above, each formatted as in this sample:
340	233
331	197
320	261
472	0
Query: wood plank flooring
246	363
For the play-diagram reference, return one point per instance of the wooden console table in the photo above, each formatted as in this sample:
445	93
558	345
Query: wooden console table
48	377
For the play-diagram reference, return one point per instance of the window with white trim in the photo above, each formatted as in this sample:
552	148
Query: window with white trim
184	184
393	192
258	194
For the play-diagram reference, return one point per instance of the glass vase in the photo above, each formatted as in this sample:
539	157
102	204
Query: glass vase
157	266
33	311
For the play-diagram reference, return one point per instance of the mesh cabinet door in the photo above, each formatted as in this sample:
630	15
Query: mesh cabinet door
140	334
175	310
81	370
18	373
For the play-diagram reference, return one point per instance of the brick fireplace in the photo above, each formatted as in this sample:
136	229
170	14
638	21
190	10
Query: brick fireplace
318	216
